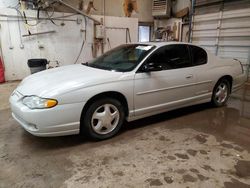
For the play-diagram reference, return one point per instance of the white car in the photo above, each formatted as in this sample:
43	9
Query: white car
130	82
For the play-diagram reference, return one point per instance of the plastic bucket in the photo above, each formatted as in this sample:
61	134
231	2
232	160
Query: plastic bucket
37	65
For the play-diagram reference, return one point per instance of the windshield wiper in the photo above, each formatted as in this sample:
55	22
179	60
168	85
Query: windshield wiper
86	64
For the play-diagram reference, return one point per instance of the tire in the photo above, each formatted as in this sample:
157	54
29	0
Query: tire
103	119
221	93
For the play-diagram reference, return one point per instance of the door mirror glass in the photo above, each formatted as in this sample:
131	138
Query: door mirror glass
148	67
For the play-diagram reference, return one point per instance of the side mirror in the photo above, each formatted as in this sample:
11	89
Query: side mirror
148	67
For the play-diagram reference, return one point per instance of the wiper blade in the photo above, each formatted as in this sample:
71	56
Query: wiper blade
86	64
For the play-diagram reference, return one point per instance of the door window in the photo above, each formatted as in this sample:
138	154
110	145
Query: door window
170	57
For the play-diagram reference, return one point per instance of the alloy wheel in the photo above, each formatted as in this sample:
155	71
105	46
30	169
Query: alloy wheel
105	119
221	93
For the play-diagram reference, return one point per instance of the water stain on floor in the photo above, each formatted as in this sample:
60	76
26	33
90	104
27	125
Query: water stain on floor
189	178
171	157
202	178
169	180
194	170
182	156
192	152
201	138
242	168
154	182
236	184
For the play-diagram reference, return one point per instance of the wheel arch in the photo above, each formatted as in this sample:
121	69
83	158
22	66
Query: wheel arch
108	94
228	78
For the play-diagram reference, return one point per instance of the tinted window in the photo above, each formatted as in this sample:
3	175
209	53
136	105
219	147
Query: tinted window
171	57
199	55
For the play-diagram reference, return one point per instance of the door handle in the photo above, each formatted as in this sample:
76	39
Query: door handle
189	76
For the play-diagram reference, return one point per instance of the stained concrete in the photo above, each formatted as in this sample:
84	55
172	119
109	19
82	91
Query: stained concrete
5	90
198	146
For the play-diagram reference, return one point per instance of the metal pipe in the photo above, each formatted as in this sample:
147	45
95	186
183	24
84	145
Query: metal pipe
69	20
78	11
116	27
40	33
248	66
104	12
33	18
10	40
20	35
191	21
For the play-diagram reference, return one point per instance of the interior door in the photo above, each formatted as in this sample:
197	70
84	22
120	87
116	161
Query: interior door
165	80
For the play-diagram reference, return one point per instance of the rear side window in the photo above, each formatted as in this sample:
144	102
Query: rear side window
199	55
177	56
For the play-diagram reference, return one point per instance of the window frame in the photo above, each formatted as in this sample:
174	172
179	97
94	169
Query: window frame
139	70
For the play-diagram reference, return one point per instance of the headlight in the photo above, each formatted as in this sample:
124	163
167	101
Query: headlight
35	102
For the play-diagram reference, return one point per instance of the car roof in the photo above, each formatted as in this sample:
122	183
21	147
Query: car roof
160	44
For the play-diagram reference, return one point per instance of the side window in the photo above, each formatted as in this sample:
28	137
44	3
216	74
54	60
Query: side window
158	59
171	57
177	56
199	55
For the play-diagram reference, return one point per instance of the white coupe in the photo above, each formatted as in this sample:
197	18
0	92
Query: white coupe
129	82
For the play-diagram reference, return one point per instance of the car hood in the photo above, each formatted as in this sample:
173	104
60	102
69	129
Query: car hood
61	80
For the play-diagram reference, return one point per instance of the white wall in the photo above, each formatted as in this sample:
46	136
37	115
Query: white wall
118	36
8	3
63	46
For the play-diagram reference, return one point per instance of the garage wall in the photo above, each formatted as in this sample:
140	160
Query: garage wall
180	4
119	30
224	29
115	8
62	46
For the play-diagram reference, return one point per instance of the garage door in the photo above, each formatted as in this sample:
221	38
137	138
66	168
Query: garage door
223	28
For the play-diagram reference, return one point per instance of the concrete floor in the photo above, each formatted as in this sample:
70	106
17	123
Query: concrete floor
197	146
5	90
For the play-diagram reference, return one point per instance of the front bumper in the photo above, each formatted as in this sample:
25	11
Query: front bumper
57	121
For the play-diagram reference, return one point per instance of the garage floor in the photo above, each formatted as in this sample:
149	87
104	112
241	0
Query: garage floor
197	146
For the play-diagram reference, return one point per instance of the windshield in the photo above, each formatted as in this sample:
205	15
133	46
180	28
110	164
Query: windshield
123	58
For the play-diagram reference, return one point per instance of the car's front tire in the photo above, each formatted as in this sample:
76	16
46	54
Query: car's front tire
221	93
103	119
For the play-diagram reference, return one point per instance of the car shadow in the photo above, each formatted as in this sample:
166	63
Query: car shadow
166	116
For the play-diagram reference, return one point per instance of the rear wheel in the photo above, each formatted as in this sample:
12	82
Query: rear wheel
221	93
103	119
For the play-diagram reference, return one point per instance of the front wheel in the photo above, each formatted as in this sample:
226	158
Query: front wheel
103	119
221	93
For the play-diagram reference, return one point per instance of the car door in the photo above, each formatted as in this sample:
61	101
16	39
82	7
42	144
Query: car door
165	80
202	71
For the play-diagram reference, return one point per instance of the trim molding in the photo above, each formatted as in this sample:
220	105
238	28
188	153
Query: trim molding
174	87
